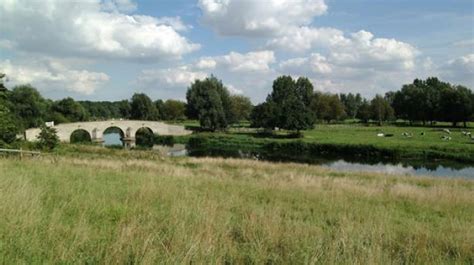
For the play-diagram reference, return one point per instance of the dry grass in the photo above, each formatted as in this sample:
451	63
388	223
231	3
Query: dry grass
120	209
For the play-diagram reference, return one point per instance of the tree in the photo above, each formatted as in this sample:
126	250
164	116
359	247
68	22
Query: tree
262	116
305	90
8	128
71	110
456	104
2	86
124	109
28	106
241	107
364	112
173	110
142	108
327	107
381	109
48	138
289	104
351	103
208	100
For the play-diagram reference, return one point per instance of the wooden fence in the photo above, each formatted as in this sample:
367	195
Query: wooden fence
20	152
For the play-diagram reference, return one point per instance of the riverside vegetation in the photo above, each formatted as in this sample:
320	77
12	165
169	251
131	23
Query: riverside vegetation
86	204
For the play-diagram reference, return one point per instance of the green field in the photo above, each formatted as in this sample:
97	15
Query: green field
91	205
424	143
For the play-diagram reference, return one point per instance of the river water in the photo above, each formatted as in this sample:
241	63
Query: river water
436	169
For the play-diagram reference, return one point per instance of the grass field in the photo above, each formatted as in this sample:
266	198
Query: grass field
93	205
423	142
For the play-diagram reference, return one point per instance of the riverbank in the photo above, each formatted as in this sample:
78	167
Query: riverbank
97	205
343	141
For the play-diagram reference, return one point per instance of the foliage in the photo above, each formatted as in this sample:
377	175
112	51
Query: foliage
287	107
28	105
172	110
241	107
208	100
167	140
327	107
433	100
381	109
48	138
68	110
364	112
351	104
8	127
143	108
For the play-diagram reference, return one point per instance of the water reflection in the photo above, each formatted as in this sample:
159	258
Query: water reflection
405	167
401	169
112	139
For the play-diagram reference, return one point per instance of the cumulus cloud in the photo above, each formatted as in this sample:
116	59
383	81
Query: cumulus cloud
258	18
51	75
460	70
315	63
171	77
252	61
93	29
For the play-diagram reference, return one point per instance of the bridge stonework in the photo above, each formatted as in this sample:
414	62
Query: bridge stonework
96	130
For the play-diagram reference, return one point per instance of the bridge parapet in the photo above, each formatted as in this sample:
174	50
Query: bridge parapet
96	130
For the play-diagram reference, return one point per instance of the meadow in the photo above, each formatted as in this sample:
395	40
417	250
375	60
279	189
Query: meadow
404	142
86	204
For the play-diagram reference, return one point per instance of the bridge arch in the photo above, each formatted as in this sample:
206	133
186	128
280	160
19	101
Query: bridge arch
80	136
96	130
144	137
112	129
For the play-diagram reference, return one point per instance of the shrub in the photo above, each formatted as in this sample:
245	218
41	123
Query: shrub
48	138
167	140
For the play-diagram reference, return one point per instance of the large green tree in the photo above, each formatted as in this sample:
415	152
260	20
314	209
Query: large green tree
381	109
8	128
241	107
288	105
456	104
327	107
143	108
71	110
173	110
209	101
28	106
351	103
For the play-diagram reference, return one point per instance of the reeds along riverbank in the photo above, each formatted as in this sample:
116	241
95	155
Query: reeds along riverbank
126	207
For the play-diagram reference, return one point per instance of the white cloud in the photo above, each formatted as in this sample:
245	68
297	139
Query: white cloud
51	75
258	18
315	63
206	63
253	61
119	5
171	77
89	29
305	38
460	70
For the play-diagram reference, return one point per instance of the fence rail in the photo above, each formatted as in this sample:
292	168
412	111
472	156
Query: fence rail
20	152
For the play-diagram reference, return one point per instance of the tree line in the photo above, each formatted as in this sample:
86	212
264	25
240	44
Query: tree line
291	105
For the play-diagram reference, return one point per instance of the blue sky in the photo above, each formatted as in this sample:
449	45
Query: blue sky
110	49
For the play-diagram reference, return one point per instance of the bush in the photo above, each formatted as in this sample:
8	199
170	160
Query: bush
48	138
167	140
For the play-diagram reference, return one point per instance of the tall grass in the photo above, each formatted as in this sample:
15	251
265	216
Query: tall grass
118	209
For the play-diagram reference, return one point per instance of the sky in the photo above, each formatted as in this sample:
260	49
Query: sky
111	49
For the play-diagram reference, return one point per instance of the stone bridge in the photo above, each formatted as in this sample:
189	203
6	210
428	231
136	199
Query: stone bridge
128	130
